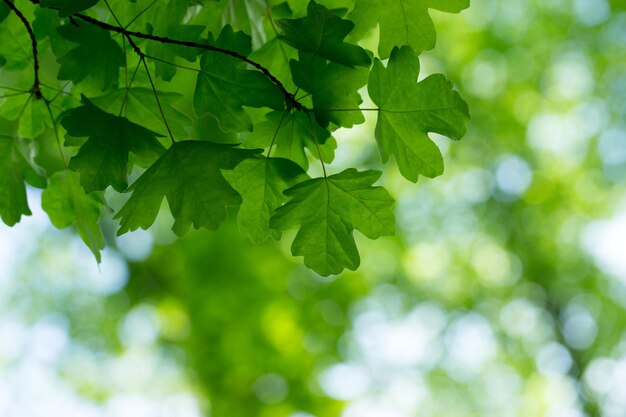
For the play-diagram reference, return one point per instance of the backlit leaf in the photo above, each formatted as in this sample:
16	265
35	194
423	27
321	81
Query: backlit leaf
328	210
409	110
189	175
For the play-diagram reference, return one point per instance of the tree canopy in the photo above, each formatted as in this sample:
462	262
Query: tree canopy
215	105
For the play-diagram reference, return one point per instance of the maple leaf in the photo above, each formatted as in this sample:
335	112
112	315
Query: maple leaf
189	175
103	159
328	210
140	107
68	7
409	110
31	114
224	86
15	52
334	89
168	22
401	22
67	204
261	183
321	33
97	55
292	133
15	169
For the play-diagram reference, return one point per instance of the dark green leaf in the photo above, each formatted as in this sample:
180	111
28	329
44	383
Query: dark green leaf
322	33
141	108
328	210
409	110
67	204
334	89
224	85
97	56
4	10
68	7
168	23
14	169
189	175
261	183
103	159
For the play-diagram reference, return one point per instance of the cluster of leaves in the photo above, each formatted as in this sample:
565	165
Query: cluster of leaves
268	84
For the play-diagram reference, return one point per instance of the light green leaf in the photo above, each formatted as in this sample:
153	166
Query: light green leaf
409	110
322	33
97	56
328	210
401	22
68	7
189	175
14	168
224	85
141	108
103	159
334	89
67	204
261	183
31	115
293	136
15	48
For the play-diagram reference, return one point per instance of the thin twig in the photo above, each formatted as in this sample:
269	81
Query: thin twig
290	99
36	89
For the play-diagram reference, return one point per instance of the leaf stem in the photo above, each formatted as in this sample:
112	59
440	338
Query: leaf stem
317	144
145	9
158	101
280	123
56	133
132	79
36	89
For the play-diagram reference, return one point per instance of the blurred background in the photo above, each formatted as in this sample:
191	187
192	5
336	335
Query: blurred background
503	293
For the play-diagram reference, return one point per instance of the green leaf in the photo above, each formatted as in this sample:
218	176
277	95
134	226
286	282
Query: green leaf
103	159
292	137
67	204
15	47
401	22
97	56
261	183
4	11
224	85
68	7
321	33
334	89
189	175
141	108
14	168
168	23
409	110
275	55
31	115
328	210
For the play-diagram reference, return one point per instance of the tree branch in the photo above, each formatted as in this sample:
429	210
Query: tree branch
36	89
289	98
